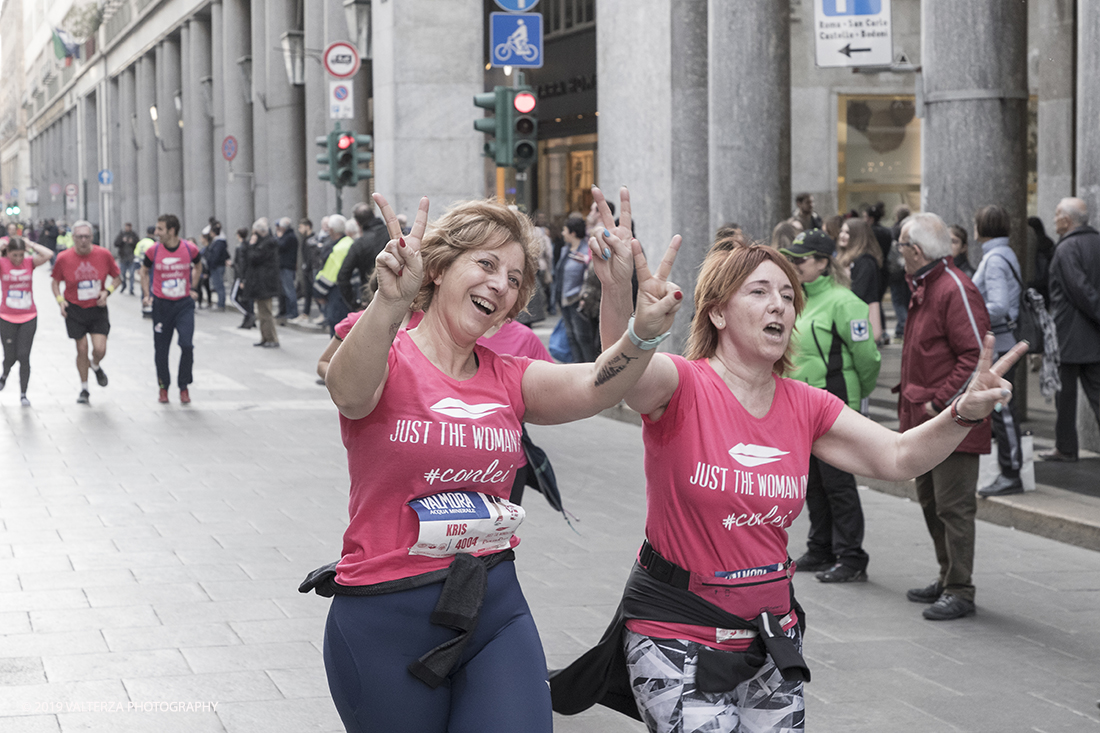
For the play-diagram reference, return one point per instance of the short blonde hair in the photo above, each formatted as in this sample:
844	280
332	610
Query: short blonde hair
725	268
472	225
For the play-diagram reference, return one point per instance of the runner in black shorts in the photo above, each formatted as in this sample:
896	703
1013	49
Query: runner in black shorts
84	270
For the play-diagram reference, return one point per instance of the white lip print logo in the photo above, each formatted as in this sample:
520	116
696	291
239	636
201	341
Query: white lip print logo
755	455
170	260
452	407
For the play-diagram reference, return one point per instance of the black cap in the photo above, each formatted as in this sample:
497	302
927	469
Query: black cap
813	242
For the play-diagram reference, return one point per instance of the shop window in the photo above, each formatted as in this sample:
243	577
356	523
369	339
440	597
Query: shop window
879	151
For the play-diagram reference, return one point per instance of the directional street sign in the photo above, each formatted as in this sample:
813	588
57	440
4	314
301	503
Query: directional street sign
515	39
517	6
853	33
105	177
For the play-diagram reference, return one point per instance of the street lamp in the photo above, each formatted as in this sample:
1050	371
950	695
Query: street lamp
357	13
294	55
244	65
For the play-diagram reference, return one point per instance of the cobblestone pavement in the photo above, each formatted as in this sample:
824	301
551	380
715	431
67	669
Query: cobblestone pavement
150	556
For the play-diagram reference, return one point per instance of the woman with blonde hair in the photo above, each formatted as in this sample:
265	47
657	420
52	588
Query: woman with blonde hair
859	253
428	628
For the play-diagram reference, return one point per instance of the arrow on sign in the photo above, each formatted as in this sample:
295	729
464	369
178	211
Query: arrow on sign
848	50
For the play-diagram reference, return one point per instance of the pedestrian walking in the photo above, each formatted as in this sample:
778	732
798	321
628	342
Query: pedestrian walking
170	273
124	243
18	315
1075	304
359	262
83	269
334	307
262	282
473	269
216	259
288	245
858	252
569	280
1000	281
240	274
708	635
311	246
942	349
834	349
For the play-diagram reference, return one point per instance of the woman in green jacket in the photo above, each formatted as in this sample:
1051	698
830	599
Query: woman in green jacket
834	350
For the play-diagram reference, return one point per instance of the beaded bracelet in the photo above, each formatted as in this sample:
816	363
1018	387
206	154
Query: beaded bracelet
959	419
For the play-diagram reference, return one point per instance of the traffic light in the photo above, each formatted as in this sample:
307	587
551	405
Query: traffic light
12	210
499	126
525	129
364	147
344	175
325	158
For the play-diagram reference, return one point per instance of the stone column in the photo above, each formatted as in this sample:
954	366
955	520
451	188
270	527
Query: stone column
238	115
1056	90
973	141
70	164
89	158
1088	160
419	149
259	110
320	195
126	178
284	151
750	114
110	120
198	130
216	90
147	155
974	132
690	205
170	158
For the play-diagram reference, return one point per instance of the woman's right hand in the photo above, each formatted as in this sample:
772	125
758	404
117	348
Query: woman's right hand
658	299
399	266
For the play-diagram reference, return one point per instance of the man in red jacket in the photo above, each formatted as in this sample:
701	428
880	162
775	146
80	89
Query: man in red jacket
943	338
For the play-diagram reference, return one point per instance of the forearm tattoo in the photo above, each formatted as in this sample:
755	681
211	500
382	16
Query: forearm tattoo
394	328
613	367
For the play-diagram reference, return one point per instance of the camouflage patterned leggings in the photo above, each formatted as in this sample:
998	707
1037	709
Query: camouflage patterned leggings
662	673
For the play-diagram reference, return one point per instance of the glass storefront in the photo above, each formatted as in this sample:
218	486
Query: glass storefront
879	151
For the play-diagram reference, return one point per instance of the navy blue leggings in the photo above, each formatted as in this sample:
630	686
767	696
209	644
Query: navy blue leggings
499	685
169	316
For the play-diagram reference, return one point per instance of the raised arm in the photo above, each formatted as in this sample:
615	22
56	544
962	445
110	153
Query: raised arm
357	373
861	446
614	264
42	254
557	393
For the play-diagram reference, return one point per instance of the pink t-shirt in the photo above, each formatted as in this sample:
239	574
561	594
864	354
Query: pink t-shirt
428	434
723	486
84	277
171	269
17	305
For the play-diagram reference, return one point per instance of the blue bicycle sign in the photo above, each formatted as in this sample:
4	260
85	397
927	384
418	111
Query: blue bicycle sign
516	39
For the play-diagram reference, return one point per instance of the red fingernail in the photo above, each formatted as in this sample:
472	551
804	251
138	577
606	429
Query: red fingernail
678	295
401	241
401	270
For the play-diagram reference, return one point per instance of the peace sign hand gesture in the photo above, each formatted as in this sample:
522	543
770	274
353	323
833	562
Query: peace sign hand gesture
612	258
399	266
989	390
658	299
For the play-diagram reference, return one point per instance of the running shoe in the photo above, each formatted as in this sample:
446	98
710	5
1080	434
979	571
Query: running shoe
83	398
100	376
185	397
24	401
163	397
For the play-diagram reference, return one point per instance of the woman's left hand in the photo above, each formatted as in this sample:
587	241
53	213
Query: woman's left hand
658	299
989	390
612	258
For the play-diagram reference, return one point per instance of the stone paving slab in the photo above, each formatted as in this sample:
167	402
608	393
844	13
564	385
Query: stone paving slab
158	549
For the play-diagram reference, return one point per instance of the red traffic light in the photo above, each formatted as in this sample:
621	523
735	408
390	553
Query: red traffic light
524	102
345	141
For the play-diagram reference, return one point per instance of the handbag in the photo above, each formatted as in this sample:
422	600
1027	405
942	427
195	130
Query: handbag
1029	323
559	344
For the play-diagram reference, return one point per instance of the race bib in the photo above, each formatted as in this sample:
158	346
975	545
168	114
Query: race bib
19	299
174	288
87	289
464	521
